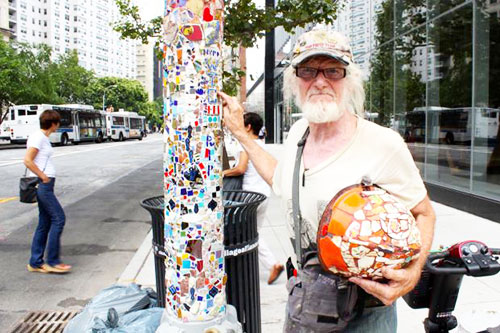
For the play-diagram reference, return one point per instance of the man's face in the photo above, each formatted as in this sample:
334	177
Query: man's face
320	98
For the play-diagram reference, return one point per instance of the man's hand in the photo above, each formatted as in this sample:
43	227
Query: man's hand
233	115
401	282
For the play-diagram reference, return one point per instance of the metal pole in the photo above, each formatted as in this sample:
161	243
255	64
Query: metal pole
103	99
269	113
194	265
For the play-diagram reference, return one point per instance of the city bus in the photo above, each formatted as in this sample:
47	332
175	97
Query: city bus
5	127
450	125
79	123
124	125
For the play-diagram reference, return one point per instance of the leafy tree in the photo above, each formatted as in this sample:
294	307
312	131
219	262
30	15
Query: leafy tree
153	111
10	81
244	23
70	79
121	93
29	76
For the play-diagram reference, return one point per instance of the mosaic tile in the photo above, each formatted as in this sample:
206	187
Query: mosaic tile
194	275
365	229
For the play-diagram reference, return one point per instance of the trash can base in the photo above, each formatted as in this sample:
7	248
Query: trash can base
226	324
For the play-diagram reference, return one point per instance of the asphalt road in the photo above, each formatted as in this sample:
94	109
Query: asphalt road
100	188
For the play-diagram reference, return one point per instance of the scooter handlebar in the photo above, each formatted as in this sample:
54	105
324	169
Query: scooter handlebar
429	264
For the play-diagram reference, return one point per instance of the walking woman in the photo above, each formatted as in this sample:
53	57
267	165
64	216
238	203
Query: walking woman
38	160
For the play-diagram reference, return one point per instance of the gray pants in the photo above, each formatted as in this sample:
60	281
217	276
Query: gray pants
381	319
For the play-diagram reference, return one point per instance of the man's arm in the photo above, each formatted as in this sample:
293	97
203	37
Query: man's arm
264	163
402	281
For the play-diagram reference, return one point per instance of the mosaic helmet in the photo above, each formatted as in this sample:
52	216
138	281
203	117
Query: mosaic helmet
363	229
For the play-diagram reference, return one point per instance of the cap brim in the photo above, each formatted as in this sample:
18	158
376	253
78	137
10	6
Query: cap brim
315	53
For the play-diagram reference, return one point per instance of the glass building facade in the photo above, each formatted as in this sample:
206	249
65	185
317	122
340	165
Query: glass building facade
435	78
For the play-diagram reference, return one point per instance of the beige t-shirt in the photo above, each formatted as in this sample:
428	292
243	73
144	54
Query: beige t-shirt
374	151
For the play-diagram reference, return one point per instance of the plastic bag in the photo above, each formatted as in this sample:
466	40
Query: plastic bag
123	299
142	321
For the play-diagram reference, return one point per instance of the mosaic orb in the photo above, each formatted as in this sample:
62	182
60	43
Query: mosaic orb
363	229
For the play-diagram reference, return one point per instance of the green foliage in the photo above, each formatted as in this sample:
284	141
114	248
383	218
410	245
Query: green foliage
153	111
71	79
244	23
120	93
29	76
231	81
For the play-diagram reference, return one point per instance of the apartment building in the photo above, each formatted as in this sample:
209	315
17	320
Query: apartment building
145	67
4	20
83	25
357	20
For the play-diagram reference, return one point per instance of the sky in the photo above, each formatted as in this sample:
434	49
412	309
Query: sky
150	9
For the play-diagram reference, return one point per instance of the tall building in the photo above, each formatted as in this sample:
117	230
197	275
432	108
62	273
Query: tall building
76	24
356	20
145	67
149	70
4	19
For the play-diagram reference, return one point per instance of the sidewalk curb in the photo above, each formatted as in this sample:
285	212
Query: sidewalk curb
135	265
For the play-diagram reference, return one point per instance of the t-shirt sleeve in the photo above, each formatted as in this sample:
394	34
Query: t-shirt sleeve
34	141
401	177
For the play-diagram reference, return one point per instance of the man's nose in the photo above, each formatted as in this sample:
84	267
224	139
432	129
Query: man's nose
320	80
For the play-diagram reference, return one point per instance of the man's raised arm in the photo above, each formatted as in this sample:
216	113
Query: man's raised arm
264	162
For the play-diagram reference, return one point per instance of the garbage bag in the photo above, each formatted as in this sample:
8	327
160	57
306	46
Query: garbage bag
141	321
123	299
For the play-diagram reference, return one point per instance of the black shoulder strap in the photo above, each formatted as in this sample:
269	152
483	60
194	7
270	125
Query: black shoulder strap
297	217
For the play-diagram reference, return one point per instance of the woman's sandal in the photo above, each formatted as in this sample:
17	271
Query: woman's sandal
40	269
58	269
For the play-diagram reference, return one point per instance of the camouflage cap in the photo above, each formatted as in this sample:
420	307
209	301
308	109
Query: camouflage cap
322	42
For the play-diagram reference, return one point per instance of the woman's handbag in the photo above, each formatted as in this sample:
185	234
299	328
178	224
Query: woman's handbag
27	189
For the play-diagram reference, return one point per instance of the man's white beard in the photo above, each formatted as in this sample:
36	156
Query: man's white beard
321	111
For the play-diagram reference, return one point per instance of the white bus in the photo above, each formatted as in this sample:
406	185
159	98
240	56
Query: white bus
79	123
5	126
450	125
123	125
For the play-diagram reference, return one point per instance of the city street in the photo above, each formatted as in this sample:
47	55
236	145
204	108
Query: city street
100	187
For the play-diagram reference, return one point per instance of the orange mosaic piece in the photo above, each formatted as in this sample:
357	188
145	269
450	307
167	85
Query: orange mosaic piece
363	229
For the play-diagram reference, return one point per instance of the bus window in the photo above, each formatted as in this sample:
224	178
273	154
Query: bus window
31	113
97	120
65	118
21	112
135	123
12	114
118	121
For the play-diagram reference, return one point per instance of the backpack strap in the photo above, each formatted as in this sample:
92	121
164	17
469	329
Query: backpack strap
297	217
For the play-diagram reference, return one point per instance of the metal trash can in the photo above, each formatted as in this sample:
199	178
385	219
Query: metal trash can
241	253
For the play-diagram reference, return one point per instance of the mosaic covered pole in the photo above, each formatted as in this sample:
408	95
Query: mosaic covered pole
194	276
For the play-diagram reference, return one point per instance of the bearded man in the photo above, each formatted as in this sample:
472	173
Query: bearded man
340	149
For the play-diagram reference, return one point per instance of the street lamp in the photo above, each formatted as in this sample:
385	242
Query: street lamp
104	95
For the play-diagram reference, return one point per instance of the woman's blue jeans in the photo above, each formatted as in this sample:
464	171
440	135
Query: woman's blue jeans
50	226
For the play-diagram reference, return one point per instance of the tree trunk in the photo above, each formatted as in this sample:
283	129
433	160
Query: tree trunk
243	80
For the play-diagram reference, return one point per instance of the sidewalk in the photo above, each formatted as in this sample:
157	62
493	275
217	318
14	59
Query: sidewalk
478	305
